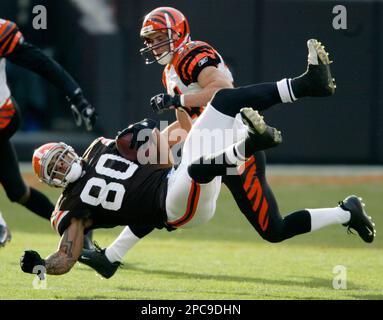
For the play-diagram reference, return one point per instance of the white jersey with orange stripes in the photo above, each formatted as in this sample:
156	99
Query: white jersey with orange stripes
4	90
188	203
180	76
9	37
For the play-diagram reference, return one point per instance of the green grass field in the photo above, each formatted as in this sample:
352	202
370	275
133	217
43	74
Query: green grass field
224	259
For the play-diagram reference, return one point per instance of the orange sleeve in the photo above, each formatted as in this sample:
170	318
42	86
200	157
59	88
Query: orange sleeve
10	36
194	61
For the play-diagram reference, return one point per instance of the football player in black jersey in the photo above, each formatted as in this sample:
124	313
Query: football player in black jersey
14	48
104	189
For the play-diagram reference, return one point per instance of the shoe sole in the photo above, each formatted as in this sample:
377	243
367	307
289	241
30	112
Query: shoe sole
367	221
253	120
256	124
316	48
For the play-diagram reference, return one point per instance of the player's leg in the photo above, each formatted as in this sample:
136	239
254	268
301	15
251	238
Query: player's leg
106	261
256	201
16	189
5	234
10	176
259	137
315	82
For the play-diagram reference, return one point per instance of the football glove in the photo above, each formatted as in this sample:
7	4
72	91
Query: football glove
83	111
29	260
164	101
135	128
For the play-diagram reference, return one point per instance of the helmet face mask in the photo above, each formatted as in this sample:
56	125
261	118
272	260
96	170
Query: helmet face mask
56	164
170	22
149	52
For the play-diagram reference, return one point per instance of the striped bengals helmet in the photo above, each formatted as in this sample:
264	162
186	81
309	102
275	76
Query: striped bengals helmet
168	20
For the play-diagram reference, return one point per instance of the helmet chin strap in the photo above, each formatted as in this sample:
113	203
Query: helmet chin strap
165	58
74	172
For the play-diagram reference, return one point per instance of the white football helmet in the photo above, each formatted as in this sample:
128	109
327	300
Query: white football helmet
56	164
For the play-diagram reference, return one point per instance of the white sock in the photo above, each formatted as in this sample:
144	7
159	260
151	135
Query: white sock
327	216
286	91
118	249
2	221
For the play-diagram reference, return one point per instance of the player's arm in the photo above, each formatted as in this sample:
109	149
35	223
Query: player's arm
164	154
62	261
176	132
210	80
32	58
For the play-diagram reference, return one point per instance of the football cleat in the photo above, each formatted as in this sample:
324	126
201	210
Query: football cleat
317	80
359	220
264	137
97	260
5	235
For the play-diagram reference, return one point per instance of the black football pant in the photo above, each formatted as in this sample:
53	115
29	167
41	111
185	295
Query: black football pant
256	201
10	176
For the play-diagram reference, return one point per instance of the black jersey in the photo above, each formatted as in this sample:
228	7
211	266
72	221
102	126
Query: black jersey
113	191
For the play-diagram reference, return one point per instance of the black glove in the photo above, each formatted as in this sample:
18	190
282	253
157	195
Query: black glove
164	101
135	128
83	111
29	260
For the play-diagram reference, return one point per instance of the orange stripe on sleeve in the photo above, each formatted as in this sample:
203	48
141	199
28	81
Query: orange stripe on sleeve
4	32
196	59
15	41
4	45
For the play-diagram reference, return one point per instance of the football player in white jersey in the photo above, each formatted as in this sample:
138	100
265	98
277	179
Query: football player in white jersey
14	48
193	72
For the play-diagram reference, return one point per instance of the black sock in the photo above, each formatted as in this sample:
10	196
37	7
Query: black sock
205	170
39	204
258	96
297	223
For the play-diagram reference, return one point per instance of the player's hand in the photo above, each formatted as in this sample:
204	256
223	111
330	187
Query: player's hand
135	128
164	101
83	111
29	260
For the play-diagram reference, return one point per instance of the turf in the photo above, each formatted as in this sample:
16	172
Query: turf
224	259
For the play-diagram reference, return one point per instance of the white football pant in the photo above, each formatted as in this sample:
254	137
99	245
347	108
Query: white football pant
188	203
